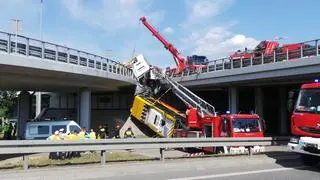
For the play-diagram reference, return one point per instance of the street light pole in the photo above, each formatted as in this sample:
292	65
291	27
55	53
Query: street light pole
38	94
41	12
17	22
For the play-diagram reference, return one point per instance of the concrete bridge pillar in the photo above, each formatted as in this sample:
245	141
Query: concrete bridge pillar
54	100
258	101
84	108
283	120
38	103
233	100
24	111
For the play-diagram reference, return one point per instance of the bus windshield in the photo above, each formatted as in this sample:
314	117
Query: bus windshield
246	125
308	101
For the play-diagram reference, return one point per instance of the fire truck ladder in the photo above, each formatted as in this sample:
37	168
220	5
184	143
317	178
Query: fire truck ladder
189	97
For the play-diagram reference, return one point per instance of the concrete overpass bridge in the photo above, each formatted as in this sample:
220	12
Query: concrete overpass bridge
43	66
28	64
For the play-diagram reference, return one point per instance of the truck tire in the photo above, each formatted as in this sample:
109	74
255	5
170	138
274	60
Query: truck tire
309	160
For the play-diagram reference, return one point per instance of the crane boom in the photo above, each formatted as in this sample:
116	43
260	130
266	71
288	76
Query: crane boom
179	60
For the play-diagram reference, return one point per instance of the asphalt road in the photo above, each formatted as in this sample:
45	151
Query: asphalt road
275	165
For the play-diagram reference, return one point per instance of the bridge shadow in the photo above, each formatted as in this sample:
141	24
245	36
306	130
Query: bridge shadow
291	160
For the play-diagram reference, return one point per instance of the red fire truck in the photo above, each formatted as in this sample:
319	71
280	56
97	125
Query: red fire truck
305	124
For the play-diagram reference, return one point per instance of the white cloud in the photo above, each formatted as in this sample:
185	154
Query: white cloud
218	42
110	15
207	8
168	30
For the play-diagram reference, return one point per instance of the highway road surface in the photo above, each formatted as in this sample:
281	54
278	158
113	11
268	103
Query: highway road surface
272	165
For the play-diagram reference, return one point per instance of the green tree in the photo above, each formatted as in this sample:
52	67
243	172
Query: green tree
8	101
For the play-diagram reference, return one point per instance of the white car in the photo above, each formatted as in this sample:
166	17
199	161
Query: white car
44	129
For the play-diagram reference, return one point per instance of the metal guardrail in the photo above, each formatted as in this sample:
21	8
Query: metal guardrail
48	51
307	49
26	147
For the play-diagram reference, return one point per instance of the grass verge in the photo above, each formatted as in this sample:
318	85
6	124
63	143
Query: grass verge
86	158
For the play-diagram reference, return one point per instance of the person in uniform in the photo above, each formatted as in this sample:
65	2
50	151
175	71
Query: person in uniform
129	133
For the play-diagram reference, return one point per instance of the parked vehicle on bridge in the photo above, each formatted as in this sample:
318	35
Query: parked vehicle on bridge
270	51
156	118
305	124
43	129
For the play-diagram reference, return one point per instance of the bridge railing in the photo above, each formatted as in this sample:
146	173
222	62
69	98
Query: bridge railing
282	54
25	147
48	51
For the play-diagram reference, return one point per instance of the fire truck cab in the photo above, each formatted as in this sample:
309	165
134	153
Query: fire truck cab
305	124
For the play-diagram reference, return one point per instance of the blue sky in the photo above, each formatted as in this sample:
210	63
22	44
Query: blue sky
214	28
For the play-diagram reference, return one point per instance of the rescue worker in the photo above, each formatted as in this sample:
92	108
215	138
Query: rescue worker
102	132
5	131
76	137
61	134
117	133
82	133
128	133
68	137
10	131
92	134
54	137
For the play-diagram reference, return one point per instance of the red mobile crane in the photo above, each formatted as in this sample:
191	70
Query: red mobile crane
266	48
180	61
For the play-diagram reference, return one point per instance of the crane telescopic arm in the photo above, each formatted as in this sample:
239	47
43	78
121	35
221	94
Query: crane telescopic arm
179	60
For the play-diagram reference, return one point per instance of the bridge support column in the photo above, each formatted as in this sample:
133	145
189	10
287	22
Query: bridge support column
24	112
54	100
258	101
85	108
233	100
38	103
283	121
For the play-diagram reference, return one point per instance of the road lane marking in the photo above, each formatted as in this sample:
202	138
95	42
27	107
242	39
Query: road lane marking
237	173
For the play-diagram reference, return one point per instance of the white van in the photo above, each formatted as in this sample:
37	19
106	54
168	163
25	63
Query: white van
44	129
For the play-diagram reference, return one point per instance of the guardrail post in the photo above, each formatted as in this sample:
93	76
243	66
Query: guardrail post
68	55
251	59
223	64
241	61
56	52
317	48
231	63
42	50
78	57
250	151
9	44
274	55
301	51
215	65
161	154
262	58
103	157
25	162
287	53
27	47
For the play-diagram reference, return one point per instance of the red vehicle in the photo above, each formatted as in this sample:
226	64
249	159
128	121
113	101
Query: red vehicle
267	50
305	124
227	125
192	62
